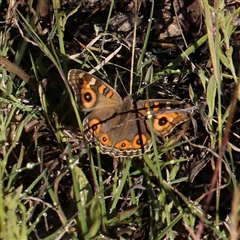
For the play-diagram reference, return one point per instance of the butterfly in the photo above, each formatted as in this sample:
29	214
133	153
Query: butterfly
121	126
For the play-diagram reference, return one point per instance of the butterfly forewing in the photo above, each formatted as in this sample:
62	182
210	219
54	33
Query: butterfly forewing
165	114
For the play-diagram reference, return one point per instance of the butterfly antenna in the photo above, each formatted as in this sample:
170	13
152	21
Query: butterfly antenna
122	82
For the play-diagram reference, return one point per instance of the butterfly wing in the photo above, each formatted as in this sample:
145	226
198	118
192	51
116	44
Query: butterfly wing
119	131
90	92
166	114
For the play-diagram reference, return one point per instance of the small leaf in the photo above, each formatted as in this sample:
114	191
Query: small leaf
202	78
211	94
95	216
84	186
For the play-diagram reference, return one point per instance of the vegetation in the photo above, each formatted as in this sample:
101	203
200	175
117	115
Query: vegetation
57	186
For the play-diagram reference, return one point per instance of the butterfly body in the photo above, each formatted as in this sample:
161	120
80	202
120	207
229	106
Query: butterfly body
121	126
